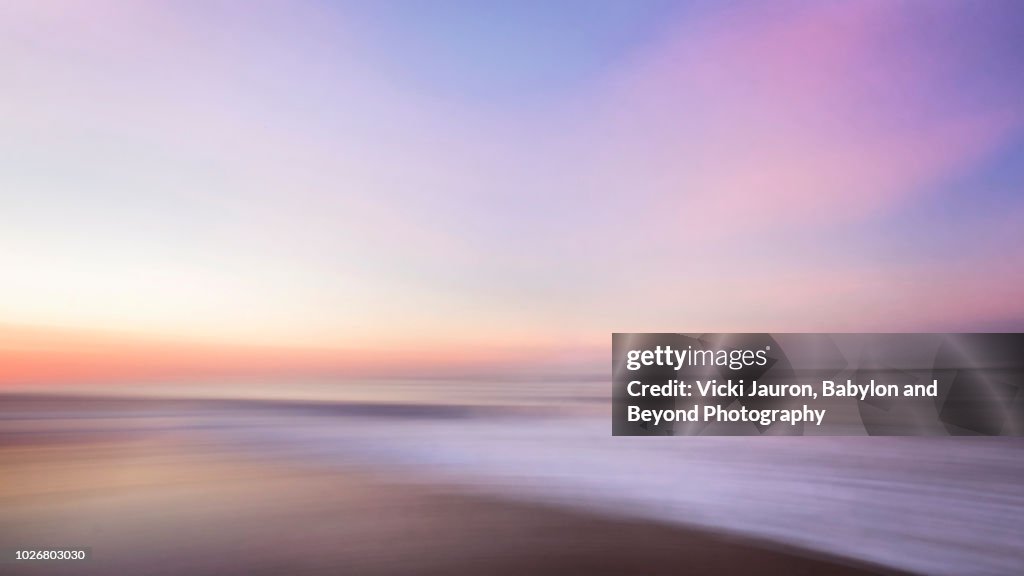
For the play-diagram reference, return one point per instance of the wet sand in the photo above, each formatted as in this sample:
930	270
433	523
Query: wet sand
167	503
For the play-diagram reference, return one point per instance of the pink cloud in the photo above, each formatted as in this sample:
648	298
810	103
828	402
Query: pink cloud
811	115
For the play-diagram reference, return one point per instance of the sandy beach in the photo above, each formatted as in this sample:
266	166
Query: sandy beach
174	503
247	486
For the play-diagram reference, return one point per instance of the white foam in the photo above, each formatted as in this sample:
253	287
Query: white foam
943	506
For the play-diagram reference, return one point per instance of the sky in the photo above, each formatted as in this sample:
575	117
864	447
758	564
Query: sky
224	188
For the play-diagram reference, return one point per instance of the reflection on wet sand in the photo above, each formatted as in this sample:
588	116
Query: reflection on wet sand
158	491
179	486
172	505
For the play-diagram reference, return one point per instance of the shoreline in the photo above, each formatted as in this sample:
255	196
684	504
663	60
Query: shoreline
174	504
924	505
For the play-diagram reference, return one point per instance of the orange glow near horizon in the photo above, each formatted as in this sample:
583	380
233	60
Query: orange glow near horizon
34	356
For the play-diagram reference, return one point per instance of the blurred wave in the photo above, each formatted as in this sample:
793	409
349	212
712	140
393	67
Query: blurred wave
927	505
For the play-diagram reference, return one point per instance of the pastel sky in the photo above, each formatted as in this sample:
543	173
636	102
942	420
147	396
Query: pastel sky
363	187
